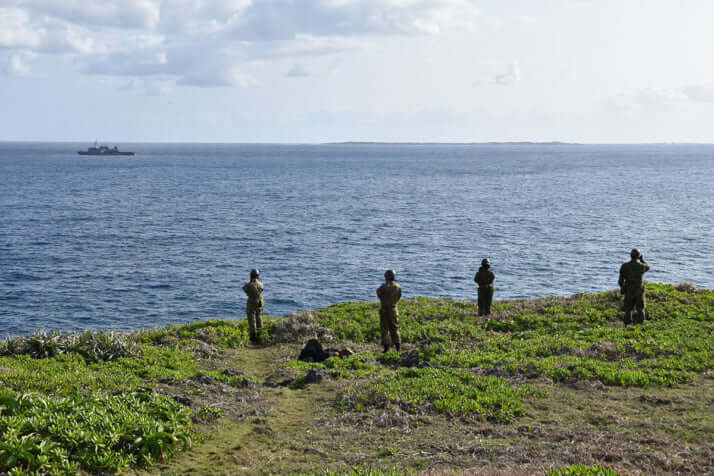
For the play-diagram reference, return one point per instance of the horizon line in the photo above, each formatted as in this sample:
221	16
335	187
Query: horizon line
356	142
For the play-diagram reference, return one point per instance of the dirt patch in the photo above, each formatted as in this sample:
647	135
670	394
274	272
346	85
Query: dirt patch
655	400
300	327
607	351
206	391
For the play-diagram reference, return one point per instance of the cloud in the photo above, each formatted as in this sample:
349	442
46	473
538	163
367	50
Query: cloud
297	71
19	31
700	92
655	98
17	65
510	76
136	14
215	67
149	87
218	77
645	101
211	43
16	30
279	20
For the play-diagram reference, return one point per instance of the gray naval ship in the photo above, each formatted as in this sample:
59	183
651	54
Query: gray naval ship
103	150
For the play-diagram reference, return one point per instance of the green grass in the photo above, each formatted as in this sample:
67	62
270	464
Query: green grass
68	373
565	339
86	401
582	470
77	401
222	333
420	318
352	367
452	392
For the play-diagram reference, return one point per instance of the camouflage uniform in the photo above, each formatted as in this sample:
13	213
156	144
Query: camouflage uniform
484	278
633	288
389	295
254	307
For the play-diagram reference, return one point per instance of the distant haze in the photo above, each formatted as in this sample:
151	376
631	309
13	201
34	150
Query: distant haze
349	70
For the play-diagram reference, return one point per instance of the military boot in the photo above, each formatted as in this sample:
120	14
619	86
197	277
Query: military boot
386	348
628	320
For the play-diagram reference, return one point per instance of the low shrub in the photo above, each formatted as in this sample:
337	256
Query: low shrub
95	434
94	346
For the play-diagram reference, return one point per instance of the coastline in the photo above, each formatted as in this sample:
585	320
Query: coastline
500	393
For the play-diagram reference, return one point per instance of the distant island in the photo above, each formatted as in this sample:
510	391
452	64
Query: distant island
453	143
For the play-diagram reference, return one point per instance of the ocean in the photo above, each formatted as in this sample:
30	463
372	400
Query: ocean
170	235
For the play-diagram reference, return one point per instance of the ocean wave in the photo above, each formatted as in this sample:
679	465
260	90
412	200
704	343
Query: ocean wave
150	244
19	276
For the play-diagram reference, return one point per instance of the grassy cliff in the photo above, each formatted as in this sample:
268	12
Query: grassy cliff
549	386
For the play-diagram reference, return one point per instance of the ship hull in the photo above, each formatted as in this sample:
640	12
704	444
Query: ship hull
84	152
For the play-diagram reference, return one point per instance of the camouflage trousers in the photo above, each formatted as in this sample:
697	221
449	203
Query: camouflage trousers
255	319
637	302
485	297
389	325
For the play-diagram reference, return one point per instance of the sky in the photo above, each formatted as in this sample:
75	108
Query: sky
311	71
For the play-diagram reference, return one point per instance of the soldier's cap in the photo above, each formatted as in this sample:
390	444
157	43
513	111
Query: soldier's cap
635	253
390	274
485	262
254	273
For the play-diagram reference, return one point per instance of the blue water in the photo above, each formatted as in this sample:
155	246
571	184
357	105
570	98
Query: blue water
170	234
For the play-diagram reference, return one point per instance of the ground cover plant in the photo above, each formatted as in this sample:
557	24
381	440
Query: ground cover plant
450	391
89	401
355	366
105	433
565	339
546	386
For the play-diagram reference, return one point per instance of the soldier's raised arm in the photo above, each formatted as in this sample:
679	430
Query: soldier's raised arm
645	266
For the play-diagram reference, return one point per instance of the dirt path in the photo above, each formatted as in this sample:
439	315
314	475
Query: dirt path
271	432
288	431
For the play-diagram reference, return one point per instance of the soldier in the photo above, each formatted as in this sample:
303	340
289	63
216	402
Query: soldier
632	286
254	306
484	278
389	295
